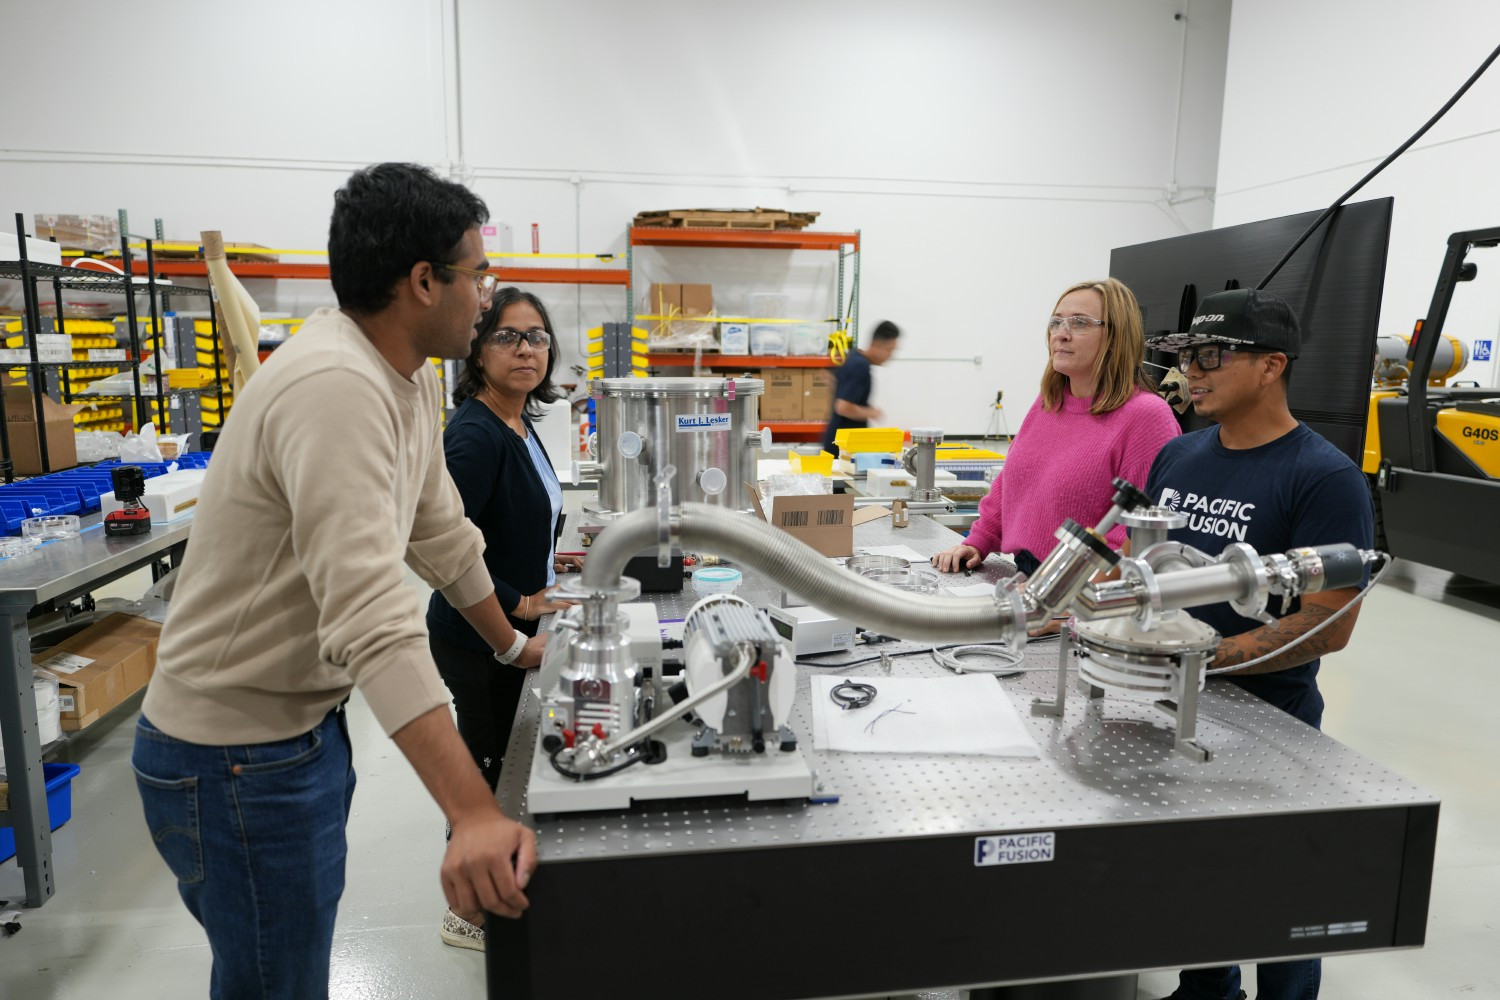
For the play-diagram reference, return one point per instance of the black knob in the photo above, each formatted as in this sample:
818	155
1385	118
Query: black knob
1127	497
552	743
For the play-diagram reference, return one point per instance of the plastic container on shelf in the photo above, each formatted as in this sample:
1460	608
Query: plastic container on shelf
708	580
768	338
51	527
807	340
59	778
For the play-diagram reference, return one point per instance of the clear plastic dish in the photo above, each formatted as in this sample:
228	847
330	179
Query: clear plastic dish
50	527
16	546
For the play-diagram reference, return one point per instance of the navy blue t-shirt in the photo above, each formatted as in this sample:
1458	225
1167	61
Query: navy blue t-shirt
1297	490
852	384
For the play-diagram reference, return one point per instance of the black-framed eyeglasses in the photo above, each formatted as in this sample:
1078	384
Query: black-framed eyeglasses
484	279
505	337
1075	323
1211	356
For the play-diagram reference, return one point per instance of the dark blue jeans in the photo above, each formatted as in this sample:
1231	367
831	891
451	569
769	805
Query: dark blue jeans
255	836
1273	981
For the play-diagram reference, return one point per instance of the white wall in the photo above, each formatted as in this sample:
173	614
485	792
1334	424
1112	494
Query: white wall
990	152
1317	94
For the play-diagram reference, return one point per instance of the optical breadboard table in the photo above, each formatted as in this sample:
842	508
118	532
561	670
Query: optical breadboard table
1122	855
58	570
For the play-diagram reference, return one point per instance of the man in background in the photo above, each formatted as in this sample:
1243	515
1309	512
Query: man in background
851	392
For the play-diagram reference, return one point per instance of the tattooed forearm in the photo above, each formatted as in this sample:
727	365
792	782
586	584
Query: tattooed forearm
1269	638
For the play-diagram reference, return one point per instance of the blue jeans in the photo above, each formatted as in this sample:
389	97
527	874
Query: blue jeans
255	836
1273	981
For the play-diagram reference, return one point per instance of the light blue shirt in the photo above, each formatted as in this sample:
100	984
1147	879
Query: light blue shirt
554	496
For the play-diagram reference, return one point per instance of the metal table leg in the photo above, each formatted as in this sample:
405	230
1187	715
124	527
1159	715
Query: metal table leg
23	762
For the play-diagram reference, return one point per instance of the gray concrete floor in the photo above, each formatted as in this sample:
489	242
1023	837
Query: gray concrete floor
1416	690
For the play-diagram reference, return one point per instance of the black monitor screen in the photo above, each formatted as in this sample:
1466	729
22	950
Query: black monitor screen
1334	282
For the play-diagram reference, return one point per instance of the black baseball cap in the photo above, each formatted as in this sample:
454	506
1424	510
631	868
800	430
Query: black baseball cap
1246	316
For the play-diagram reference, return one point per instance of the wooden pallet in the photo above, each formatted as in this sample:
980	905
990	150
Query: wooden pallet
762	219
244	253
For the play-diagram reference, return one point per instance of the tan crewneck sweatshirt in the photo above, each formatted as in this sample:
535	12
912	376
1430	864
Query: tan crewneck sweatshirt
329	475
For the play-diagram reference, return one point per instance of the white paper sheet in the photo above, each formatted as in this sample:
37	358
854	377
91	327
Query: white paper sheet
967	714
971	590
906	552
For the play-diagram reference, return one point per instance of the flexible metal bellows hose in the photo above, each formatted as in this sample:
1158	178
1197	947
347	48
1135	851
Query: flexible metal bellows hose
802	570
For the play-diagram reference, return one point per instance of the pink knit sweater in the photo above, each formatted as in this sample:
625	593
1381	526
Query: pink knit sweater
1060	465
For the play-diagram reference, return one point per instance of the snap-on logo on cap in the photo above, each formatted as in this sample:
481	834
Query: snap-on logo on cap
1209	318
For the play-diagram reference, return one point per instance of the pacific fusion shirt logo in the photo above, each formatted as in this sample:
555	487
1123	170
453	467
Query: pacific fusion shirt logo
1216	516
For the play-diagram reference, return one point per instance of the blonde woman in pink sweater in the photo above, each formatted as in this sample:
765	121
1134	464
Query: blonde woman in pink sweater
1096	418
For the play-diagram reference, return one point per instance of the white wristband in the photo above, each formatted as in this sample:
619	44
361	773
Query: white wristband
509	656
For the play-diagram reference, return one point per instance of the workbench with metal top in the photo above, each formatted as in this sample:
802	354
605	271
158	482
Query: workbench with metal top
58	570
1132	856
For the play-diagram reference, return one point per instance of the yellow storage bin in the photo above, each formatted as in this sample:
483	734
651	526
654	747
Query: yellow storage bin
860	439
965	453
821	463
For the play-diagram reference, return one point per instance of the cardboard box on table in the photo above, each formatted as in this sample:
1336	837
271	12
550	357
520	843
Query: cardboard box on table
824	521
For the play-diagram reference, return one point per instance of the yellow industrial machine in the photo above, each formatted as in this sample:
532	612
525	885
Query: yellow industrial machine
1389	382
1436	447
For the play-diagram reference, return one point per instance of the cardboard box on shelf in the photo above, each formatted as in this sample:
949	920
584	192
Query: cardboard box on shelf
783	395
79	232
697	300
662	300
101	666
817	393
21	422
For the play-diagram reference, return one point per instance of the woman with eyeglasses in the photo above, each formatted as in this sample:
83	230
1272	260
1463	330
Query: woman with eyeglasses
511	493
1097	418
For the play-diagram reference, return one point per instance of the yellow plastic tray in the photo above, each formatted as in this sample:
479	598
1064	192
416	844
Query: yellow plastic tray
859	439
821	463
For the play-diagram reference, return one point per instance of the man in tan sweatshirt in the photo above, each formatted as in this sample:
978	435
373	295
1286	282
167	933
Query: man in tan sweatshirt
329	476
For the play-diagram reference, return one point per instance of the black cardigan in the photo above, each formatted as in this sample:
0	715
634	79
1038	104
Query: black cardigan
505	497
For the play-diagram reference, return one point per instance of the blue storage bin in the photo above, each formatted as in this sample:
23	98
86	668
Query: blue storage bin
864	461
59	803
12	513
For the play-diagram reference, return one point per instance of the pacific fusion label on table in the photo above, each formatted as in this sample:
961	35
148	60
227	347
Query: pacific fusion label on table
695	423
1015	849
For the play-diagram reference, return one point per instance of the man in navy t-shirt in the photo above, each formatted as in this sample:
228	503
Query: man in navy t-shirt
851	391
1264	478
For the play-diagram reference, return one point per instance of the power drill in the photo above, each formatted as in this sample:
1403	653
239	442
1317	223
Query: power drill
132	519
